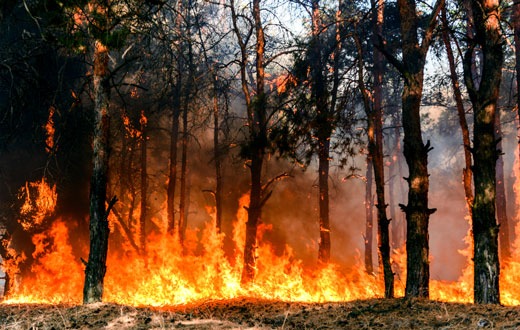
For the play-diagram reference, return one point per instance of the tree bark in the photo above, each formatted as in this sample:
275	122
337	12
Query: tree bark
372	102
144	185
172	175
369	222
184	173
375	146
466	172
257	123
516	31
484	95
415	151
96	265
216	155
323	131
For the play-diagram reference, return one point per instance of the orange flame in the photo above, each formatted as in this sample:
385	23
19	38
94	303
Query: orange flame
39	203
171	275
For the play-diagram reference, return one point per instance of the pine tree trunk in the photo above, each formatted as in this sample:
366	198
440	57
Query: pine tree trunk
369	222
375	147
172	175
258	142
415	151
501	202
254	213
323	186
466	172
144	186
417	211
323	131
516	31
184	170
96	265
216	155
484	94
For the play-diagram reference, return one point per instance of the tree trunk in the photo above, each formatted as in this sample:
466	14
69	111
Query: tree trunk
323	131
258	141
174	134
415	151
144	185
96	265
375	146
484	95
172	175
516	30
369	223
323	183
184	170
216	155
254	213
501	202
466	172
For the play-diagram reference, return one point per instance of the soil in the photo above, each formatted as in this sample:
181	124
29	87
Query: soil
247	313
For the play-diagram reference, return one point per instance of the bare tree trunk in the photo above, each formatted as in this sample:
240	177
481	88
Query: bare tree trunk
484	96
369	223
501	202
96	265
376	149
415	151
257	122
184	162
144	185
466	172
216	155
323	183
516	30
324	131
373	108
172	175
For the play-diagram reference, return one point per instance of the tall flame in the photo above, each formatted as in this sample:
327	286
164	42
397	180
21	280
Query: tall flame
169	274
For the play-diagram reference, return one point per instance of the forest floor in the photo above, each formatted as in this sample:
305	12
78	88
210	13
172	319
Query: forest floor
242	313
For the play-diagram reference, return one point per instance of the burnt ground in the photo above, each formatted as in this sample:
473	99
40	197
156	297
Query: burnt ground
244	313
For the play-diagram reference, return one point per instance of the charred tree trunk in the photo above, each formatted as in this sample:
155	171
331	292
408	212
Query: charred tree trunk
516	30
216	155
372	102
184	173
144	185
466	172
96	265
172	175
375	146
369	215
257	122
323	183
323	132
501	202
415	151
484	97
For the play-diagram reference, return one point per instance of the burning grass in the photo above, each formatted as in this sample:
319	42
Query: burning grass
245	313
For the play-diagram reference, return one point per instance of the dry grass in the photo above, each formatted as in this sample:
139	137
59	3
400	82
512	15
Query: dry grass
262	314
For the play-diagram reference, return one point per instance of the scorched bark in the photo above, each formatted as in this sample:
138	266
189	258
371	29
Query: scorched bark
96	265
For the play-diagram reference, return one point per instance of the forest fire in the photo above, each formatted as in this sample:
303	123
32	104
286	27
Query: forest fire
144	145
170	275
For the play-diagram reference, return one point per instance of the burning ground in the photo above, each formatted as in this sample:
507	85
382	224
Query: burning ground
244	313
